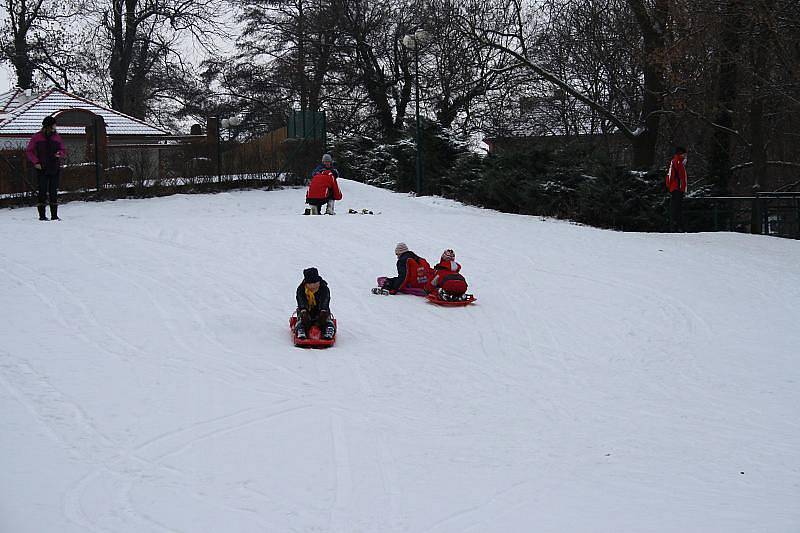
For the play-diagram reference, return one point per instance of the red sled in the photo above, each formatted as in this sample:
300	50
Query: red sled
434	299
314	339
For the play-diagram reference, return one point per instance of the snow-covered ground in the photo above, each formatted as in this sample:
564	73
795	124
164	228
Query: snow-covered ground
603	382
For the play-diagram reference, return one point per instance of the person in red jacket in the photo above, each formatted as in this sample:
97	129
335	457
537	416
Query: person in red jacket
447	281
413	271
322	187
676	184
46	150
328	164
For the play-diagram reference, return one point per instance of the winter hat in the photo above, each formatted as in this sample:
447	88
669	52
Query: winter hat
401	248
48	121
311	275
448	255
327	158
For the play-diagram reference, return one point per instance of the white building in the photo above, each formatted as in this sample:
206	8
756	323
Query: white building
22	112
87	128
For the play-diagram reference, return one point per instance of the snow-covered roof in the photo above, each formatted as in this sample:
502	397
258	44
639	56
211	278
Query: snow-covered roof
12	99
21	114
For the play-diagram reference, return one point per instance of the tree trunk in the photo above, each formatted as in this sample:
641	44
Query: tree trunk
22	61
376	89
652	29
320	70
124	35
730	41
402	95
760	78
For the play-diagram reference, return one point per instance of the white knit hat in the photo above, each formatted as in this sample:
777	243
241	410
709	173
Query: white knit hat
401	248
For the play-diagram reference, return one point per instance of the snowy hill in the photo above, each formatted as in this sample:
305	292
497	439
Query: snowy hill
604	381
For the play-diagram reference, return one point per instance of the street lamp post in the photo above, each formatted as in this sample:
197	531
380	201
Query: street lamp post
225	123
413	42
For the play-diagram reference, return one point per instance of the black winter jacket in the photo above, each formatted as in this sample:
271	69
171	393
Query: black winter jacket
322	299
393	284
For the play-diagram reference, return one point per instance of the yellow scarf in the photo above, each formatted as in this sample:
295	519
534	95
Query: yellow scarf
312	299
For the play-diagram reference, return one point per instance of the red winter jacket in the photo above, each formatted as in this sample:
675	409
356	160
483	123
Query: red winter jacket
676	177
447	276
321	186
413	272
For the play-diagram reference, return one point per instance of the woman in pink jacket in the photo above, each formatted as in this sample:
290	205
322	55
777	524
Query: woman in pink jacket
46	150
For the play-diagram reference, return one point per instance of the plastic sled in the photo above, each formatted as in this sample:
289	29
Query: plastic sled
314	338
434	299
405	290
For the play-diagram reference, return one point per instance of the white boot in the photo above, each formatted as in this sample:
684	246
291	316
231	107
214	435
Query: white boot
329	208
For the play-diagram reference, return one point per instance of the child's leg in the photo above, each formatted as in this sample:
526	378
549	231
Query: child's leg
303	319
322	319
326	325
316	206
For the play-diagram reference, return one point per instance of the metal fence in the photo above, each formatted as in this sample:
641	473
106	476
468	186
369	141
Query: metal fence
766	213
166	165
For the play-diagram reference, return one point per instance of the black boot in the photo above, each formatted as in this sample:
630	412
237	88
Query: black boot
41	212
53	212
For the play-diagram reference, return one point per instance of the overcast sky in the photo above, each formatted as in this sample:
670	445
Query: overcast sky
6	74
8	79
5	78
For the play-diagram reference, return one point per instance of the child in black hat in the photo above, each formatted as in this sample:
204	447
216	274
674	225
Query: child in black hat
313	305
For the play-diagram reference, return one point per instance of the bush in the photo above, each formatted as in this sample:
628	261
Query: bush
622	199
563	183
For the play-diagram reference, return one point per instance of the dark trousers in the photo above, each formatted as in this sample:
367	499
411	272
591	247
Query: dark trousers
318	203
676	210
48	185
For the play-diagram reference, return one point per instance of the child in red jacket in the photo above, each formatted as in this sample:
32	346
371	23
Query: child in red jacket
447	282
323	186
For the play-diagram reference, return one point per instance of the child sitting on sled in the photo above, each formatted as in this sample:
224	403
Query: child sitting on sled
447	283
313	306
413	272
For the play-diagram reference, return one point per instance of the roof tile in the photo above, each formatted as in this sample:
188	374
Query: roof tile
26	117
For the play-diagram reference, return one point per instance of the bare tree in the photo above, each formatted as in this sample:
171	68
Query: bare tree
518	32
749	57
457	72
379	63
33	40
297	39
141	45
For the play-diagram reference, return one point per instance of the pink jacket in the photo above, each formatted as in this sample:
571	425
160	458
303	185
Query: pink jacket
46	151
